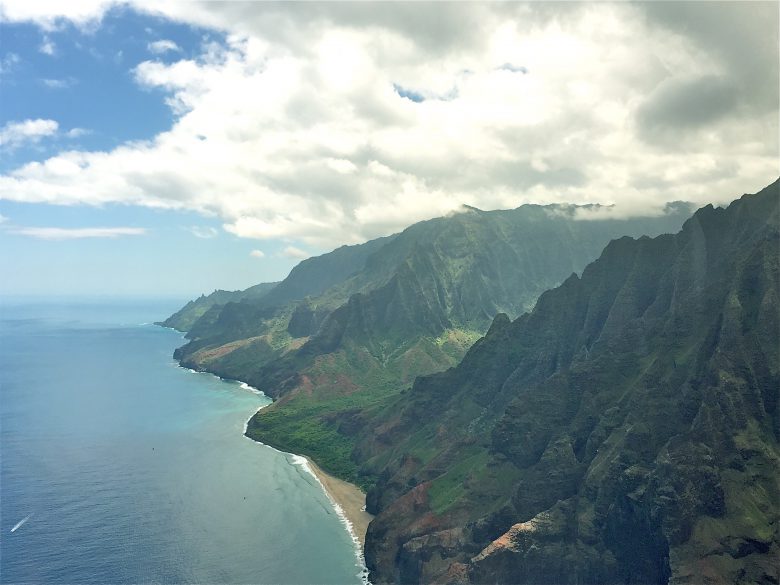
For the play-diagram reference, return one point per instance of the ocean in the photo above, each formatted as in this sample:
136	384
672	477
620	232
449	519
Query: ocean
118	466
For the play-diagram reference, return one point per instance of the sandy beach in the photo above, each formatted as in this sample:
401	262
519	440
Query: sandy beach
350	497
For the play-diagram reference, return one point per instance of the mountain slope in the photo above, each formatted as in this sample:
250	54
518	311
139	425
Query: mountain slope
314	276
624	431
419	303
185	318
231	333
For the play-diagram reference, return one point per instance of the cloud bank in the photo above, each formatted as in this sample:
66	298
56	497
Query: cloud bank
333	123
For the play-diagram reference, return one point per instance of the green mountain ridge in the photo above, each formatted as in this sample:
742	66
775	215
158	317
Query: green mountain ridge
443	282
623	429
309	278
185	318
397	308
626	430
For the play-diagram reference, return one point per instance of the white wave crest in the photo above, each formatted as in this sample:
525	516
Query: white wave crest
252	389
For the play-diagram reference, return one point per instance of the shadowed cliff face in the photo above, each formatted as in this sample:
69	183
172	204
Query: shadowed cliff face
624	431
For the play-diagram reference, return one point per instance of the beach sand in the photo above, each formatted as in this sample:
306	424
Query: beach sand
351	499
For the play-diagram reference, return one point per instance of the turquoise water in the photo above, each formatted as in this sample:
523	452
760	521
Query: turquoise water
130	469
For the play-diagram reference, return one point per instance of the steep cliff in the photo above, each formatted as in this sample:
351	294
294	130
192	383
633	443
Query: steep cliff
186	317
418	304
624	431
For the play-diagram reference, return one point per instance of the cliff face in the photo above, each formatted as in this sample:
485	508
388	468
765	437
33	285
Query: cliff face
345	332
624	431
415	308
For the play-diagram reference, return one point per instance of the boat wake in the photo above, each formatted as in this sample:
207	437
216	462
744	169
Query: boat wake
18	525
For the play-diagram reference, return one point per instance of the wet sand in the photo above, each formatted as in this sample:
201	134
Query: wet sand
351	499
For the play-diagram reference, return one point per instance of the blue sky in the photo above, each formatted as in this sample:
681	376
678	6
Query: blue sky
83	79
173	148
84	82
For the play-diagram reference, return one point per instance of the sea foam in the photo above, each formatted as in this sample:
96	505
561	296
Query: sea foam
252	389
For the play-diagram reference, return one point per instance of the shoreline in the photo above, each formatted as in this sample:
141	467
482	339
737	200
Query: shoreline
347	496
347	499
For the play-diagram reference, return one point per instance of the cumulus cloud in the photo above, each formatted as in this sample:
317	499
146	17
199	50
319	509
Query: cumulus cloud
163	46
53	14
330	123
292	252
257	254
56	233
739	37
15	134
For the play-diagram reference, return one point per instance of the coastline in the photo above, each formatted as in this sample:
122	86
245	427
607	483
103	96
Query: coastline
348	500
349	497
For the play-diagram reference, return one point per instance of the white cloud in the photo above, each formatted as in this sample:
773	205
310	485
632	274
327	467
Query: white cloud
47	47
77	132
293	252
52	14
3	218
295	128
14	134
203	232
257	254
163	46
59	83
54	233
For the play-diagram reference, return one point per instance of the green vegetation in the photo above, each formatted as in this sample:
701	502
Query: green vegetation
346	330
625	430
449	488
312	426
303	433
624	425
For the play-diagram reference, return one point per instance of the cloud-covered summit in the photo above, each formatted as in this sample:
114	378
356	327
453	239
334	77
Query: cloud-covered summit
295	127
